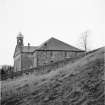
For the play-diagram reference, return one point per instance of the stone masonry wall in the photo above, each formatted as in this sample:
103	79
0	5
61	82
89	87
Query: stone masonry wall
47	57
27	61
17	63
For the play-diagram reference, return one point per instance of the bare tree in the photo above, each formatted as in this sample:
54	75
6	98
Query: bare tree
85	40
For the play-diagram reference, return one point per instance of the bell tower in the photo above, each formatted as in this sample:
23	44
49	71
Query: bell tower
17	53
20	42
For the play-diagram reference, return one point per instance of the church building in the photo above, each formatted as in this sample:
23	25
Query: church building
52	50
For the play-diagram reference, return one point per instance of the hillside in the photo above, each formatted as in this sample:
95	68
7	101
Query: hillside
80	83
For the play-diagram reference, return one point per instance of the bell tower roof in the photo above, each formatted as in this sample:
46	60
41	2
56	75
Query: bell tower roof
20	35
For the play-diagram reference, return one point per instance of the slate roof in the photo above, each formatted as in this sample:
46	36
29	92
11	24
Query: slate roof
55	44
50	44
29	48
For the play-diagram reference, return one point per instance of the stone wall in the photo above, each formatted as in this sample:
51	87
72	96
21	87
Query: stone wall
27	61
17	63
35	59
47	57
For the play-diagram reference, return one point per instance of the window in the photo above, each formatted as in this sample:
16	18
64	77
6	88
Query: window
65	55
52	57
44	63
51	61
51	53
45	46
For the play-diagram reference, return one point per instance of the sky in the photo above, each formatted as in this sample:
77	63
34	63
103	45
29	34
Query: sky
38	20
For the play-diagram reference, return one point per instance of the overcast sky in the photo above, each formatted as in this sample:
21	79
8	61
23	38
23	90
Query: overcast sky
38	20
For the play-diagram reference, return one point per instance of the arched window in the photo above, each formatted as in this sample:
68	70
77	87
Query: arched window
65	54
51	53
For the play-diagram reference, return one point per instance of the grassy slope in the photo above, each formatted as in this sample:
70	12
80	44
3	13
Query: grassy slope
80	83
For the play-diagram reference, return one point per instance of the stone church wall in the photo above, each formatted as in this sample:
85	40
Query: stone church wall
17	63
73	54
47	57
35	59
27	60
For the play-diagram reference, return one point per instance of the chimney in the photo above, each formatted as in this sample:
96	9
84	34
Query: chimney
28	45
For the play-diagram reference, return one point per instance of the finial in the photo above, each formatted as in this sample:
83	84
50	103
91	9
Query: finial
28	44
